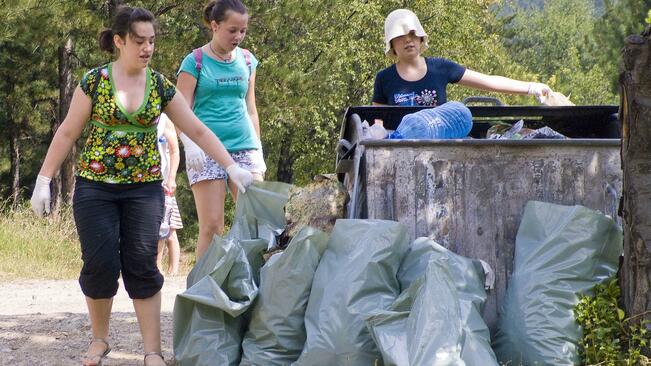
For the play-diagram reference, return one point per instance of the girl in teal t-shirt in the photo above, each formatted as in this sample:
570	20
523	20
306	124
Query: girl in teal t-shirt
218	81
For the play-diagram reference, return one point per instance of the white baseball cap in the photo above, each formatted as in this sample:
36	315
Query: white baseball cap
401	22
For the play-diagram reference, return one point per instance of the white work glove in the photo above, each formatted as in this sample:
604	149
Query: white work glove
258	160
195	158
540	91
241	177
41	196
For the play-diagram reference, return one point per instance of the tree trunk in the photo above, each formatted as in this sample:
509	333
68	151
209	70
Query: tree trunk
14	153
635	114
285	172
63	182
111	7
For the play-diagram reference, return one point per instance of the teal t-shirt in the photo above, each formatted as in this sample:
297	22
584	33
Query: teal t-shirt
220	98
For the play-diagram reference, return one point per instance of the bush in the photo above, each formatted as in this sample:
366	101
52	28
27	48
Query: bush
609	338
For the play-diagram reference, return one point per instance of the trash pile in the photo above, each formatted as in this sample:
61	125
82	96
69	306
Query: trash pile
453	120
359	292
505	131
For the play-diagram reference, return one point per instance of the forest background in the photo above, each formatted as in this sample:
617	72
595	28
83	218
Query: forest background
317	57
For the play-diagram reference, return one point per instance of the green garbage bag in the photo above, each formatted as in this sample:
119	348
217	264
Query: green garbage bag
276	332
443	325
209	317
206	318
356	277
260	213
388	328
561	252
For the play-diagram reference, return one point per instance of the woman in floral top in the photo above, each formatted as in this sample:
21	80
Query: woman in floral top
118	200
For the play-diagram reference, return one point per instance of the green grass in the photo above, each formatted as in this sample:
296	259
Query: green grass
48	248
35	248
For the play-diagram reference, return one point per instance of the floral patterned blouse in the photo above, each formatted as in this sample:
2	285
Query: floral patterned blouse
122	146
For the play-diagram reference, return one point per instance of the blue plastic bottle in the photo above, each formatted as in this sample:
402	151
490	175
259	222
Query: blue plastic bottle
451	120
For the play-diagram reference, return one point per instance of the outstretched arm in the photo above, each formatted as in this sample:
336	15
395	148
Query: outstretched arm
503	84
67	134
179	112
173	146
64	138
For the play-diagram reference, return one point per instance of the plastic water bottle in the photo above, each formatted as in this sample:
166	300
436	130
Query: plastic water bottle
164	230
451	120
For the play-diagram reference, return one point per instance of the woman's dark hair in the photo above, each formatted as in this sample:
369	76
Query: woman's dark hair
122	24
216	10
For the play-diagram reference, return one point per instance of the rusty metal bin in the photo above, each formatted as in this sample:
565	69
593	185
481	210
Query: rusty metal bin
469	195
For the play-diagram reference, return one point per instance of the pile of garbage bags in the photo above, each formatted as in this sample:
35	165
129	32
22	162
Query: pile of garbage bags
363	294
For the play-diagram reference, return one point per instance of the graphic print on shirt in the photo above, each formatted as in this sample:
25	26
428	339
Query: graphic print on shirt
426	98
230	81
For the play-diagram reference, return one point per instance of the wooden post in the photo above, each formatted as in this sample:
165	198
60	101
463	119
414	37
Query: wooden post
635	115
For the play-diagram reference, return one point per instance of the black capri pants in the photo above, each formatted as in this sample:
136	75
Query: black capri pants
118	229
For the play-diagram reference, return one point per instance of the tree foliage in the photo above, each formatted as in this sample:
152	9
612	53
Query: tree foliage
620	19
555	43
316	58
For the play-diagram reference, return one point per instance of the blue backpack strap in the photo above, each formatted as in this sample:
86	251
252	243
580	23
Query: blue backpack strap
198	60
247	59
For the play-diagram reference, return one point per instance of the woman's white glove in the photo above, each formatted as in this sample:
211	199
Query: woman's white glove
195	158
540	91
258	161
241	177
41	196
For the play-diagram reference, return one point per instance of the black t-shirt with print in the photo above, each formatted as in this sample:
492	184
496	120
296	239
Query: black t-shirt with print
391	89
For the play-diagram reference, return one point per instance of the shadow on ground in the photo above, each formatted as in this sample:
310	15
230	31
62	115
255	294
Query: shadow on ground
59	339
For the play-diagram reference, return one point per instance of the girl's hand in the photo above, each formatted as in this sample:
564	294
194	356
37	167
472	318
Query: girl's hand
241	177
194	156
170	187
540	91
41	196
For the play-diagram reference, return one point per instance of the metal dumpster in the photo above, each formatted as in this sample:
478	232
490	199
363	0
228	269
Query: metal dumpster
469	195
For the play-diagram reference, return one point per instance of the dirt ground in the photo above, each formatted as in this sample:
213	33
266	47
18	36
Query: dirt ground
45	323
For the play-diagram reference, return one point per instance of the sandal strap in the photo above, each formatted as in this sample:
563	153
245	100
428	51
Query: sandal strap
159	354
101	340
102	355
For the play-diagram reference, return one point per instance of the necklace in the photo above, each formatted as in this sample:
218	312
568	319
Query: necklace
225	59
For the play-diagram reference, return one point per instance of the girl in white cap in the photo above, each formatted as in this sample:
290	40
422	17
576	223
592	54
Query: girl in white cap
415	80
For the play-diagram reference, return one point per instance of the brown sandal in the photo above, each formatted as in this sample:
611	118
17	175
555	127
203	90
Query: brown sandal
100	357
159	354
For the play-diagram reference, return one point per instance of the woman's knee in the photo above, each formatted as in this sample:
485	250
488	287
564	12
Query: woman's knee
99	277
212	222
212	226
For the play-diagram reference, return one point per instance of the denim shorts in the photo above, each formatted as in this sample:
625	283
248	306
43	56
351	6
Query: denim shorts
118	230
247	159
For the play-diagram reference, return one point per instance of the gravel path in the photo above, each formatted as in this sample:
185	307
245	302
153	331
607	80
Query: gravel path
45	323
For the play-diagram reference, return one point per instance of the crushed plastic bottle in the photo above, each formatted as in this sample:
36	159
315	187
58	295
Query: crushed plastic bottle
451	120
376	131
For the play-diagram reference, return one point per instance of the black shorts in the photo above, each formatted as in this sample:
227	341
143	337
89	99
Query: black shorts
118	230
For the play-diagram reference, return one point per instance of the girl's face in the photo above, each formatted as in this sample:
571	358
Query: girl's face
137	47
230	32
407	45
